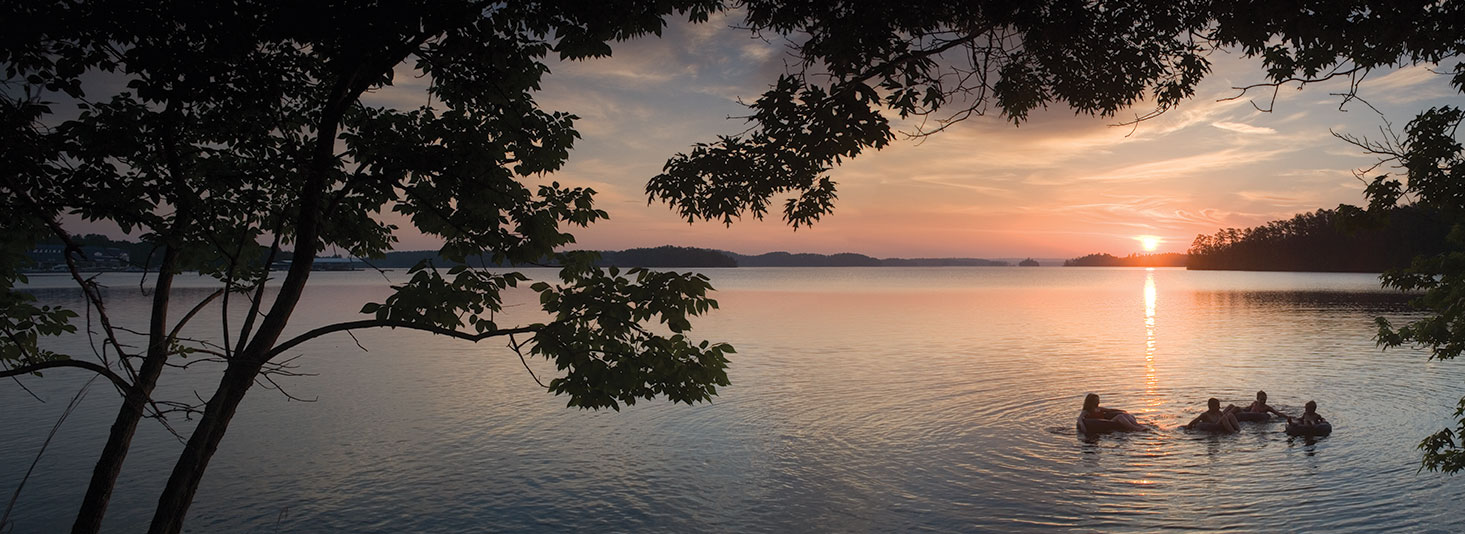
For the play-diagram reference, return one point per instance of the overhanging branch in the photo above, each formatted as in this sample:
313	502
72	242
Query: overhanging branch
377	323
116	379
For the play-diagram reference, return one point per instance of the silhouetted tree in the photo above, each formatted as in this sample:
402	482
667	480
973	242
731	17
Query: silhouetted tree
1341	240
209	127
1434	177
1164	259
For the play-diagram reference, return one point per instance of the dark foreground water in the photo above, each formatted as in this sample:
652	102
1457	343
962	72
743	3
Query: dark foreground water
863	400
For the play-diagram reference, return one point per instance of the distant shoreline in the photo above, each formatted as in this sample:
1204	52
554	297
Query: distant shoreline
123	256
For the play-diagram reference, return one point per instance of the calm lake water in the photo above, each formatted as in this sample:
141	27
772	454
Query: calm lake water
863	400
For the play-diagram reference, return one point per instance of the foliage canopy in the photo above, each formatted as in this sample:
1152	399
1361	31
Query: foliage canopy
229	135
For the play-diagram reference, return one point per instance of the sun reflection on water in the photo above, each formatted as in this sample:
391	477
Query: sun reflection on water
1152	399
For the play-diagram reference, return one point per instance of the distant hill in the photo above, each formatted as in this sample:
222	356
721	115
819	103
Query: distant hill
659	257
847	259
1168	259
941	262
666	256
785	259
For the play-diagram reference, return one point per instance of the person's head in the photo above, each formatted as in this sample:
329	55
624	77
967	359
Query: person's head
1090	402
1261	396
1310	407
1214	404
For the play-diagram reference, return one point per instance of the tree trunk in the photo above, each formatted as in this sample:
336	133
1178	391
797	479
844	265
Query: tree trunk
188	472
109	465
244	367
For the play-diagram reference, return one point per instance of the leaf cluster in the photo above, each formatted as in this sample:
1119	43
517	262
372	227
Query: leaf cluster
1434	176
601	336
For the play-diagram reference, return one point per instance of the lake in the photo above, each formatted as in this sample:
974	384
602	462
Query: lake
863	400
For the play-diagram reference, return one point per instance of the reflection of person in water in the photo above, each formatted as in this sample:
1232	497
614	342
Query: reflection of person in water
1214	419
1095	419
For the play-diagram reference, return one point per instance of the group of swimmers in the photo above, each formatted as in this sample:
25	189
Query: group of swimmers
1094	418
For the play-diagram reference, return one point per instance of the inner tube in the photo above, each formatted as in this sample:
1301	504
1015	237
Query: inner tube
1298	429
1208	427
1099	426
1254	417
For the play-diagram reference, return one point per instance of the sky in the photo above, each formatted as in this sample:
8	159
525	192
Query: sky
1058	186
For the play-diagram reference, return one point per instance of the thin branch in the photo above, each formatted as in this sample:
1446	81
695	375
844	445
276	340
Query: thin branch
194	361
357	341
173	335
187	409
29	392
89	289
70	407
283	368
516	346
281	389
1276	85
259	288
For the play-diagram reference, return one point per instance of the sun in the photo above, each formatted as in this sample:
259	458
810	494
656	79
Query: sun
1148	242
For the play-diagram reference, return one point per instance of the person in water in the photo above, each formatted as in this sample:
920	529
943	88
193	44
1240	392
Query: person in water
1309	415
1260	405
1092	412
1215	419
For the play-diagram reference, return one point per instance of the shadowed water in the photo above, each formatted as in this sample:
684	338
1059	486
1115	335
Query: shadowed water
863	400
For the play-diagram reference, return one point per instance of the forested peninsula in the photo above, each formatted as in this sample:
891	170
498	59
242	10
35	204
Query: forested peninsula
1167	259
1346	239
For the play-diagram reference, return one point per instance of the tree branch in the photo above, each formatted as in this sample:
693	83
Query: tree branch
116	379
376	323
1276	85
173	335
259	288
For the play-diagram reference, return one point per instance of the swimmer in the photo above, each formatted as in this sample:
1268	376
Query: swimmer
1309	415
1105	417
1260	405
1214	419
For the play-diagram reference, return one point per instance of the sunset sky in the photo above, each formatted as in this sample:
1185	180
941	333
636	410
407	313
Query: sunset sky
1058	186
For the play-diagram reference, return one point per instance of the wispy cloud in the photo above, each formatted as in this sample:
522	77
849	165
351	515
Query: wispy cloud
1166	169
1408	84
1243	128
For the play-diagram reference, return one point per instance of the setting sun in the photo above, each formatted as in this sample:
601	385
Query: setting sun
1148	242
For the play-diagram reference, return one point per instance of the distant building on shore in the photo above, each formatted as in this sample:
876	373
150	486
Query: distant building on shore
52	257
332	263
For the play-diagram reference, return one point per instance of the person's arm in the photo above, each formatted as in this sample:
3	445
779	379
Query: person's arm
1274	410
1192	423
